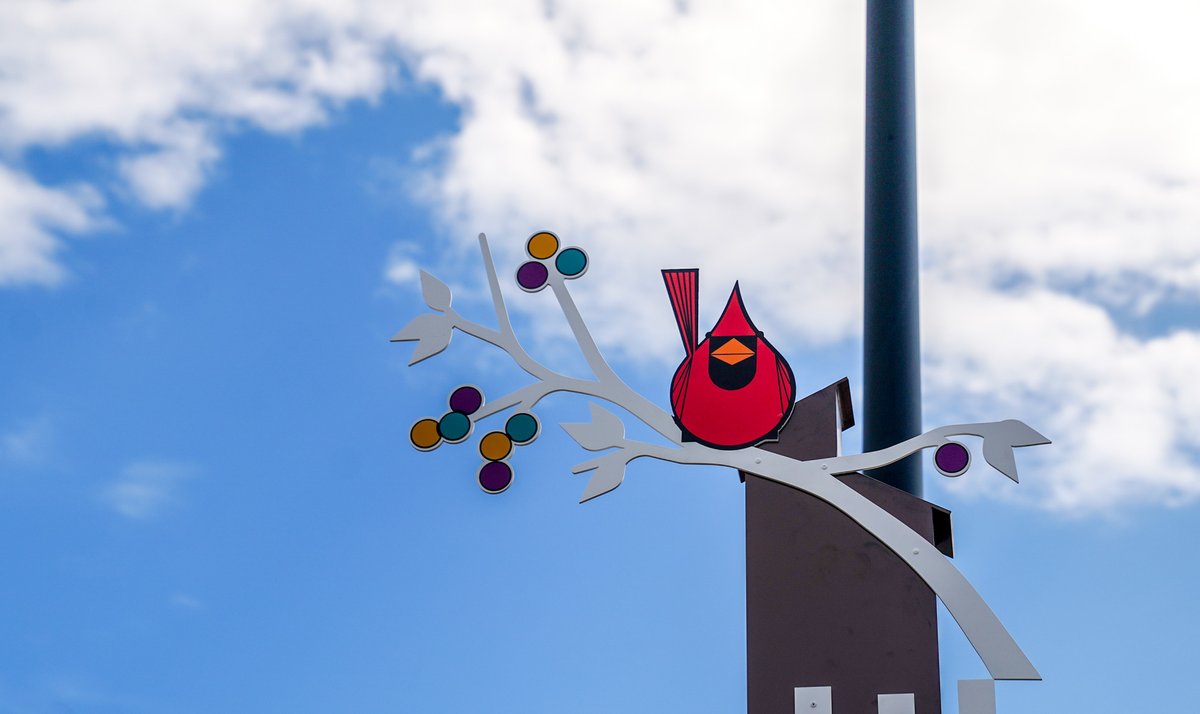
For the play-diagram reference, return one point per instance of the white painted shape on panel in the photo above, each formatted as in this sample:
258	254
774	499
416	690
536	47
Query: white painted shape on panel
814	700
897	704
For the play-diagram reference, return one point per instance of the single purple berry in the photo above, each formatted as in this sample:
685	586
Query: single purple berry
495	476
466	399
532	276
952	458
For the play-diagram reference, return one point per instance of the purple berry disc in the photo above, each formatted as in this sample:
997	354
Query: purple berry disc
532	276
952	459
466	399
495	476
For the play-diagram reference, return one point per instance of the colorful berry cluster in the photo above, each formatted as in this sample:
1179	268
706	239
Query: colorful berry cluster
495	476
533	275
455	425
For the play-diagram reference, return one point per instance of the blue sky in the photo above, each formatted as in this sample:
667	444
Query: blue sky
211	221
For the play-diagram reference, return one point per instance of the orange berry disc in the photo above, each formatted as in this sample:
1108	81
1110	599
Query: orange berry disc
424	434
495	446
542	245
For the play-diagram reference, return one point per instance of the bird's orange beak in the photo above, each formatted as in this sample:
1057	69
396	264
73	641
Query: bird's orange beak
732	352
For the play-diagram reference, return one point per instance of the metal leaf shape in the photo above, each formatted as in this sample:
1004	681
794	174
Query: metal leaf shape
1018	433
435	292
430	346
431	331
604	431
999	441
1000	456
420	326
609	474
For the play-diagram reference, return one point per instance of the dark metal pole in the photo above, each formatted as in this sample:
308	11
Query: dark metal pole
891	329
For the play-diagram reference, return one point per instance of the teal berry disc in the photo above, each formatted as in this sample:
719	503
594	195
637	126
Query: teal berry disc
572	262
522	428
454	427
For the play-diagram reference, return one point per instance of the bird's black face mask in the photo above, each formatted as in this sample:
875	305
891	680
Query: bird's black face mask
732	361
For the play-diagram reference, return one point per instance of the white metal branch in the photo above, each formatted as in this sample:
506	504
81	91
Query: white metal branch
611	387
606	385
996	647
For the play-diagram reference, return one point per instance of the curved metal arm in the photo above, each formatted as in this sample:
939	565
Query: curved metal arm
999	439
995	646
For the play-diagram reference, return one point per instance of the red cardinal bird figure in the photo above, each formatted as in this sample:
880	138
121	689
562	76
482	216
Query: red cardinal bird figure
733	389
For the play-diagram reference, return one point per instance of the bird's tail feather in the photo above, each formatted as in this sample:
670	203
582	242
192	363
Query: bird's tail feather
683	287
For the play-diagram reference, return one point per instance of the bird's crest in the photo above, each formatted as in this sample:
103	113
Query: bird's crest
734	321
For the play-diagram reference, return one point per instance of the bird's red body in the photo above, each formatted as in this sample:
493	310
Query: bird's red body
733	389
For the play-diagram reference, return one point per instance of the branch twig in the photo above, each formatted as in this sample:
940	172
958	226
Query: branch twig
606	385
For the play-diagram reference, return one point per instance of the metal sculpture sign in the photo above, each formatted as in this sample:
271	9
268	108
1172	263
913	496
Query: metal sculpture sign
732	392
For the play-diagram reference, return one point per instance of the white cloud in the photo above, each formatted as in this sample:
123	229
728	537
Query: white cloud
169	176
184	601
28	443
145	489
31	219
1060	171
160	83
1122	412
401	268
1060	186
132	70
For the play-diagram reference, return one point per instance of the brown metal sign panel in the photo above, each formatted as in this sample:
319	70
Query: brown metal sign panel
827	604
